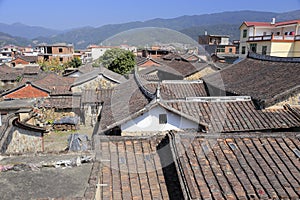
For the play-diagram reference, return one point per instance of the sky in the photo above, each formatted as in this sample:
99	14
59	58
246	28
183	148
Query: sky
67	14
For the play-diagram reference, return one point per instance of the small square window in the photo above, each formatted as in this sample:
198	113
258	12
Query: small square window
60	50
61	59
162	118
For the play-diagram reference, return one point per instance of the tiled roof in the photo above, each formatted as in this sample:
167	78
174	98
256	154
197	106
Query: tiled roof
265	81
182	67
147	62
31	70
8	73
127	99
233	116
60	102
17	104
30	59
26	90
130	168
180	89
259	166
112	76
58	85
272	25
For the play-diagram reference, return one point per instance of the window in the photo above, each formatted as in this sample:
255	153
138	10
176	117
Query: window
243	50
253	47
221	49
264	50
60	50
245	33
162	118
230	50
61	59
278	33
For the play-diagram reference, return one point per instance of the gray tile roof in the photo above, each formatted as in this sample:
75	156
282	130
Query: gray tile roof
267	82
233	116
259	166
130	168
108	74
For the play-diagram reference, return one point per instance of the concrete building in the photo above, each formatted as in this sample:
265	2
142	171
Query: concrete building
63	52
281	39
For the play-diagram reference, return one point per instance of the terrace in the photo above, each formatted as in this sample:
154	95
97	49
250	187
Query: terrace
274	38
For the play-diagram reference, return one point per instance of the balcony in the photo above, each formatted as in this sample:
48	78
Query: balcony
274	38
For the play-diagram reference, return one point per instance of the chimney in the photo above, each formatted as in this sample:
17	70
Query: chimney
273	21
205	33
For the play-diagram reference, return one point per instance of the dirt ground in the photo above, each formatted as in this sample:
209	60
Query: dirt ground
57	141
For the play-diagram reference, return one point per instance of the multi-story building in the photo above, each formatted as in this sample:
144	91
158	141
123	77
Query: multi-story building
8	53
218	46
63	52
273	38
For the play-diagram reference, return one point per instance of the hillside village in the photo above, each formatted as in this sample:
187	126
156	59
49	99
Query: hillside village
220	121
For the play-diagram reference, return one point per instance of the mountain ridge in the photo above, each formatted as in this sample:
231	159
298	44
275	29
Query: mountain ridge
215	23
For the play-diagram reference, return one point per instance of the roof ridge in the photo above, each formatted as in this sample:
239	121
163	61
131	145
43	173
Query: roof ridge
143	89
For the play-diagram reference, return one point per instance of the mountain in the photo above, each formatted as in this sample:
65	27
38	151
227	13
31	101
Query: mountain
29	32
226	23
6	39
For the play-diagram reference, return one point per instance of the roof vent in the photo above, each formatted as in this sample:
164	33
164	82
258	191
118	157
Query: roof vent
273	21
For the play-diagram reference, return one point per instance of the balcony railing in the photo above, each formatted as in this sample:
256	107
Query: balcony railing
274	37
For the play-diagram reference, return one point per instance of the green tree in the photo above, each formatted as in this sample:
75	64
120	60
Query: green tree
118	60
74	63
53	65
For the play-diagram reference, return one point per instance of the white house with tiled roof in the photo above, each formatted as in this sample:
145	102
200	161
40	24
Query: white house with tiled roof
281	39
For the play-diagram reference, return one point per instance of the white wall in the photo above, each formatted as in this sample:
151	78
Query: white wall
224	41
149	122
98	52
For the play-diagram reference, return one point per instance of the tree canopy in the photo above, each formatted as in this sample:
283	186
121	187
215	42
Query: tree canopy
74	63
118	60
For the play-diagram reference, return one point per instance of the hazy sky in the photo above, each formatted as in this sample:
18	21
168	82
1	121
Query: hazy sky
65	14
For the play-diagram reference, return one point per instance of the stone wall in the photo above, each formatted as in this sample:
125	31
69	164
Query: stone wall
99	82
23	141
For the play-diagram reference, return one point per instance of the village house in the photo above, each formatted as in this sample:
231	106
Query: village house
8	53
281	39
269	81
61	51
138	107
21	61
174	67
98	78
